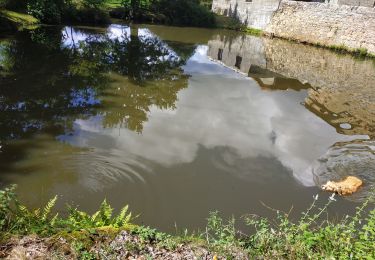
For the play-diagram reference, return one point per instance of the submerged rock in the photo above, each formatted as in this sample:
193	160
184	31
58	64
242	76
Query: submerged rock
356	159
344	187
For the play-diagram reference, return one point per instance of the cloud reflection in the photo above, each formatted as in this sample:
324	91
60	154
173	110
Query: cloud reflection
221	108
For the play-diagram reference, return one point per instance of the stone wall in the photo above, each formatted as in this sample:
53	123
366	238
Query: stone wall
338	23
325	24
366	3
254	13
340	87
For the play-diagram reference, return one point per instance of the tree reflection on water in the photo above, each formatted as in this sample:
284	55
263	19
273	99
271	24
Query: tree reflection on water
46	83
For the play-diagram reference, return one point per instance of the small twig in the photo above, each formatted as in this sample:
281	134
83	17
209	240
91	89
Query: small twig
207	236
272	209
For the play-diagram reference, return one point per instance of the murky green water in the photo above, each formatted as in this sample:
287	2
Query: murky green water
177	122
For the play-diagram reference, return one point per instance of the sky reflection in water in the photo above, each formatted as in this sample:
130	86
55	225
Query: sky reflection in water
167	129
221	108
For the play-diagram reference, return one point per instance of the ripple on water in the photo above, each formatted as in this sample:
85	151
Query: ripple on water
355	158
101	169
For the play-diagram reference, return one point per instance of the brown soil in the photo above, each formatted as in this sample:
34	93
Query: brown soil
123	246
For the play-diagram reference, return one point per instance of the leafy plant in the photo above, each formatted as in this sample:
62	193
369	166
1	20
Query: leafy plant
48	11
80	248
218	232
184	13
309	237
3	3
94	3
104	217
7	196
312	236
16	218
149	235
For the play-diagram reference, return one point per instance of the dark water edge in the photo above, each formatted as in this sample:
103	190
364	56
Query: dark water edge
178	122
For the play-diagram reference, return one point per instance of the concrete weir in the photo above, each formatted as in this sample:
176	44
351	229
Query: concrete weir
346	24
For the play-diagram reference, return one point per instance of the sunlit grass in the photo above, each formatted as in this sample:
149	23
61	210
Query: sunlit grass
113	3
20	19
312	236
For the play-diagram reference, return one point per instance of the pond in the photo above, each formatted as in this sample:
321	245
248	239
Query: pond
178	122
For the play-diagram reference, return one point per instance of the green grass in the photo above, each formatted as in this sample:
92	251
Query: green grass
343	49
206	3
19	18
113	4
254	31
358	52
231	23
312	236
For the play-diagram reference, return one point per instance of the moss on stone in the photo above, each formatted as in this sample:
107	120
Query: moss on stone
360	52
254	31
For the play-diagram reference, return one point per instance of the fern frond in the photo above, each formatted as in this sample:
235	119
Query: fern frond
47	209
94	216
127	219
54	219
123	218
105	212
36	213
74	215
122	214
23	210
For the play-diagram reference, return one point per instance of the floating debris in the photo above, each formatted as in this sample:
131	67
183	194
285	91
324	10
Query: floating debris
344	187
343	159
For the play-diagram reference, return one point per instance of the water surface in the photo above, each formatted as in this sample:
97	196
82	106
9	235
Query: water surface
177	122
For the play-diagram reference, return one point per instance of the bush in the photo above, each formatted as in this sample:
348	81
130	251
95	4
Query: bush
185	13
47	11
86	15
120	13
94	3
3	3
15	5
310	237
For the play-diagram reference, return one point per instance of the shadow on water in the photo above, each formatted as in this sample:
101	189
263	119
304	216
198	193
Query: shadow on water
150	116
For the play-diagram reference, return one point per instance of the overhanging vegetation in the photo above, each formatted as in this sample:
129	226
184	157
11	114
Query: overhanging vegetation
103	234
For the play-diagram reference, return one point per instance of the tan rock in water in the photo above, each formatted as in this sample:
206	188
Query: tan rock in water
346	186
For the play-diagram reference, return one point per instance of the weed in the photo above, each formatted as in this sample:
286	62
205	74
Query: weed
220	233
16	218
254	31
82	251
309	237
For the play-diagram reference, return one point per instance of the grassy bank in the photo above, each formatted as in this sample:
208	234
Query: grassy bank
39	233
230	23
10	20
98	12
